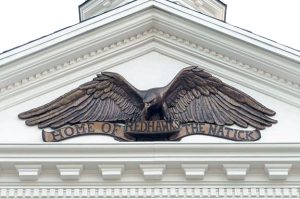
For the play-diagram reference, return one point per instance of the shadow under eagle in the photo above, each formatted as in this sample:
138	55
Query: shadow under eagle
192	96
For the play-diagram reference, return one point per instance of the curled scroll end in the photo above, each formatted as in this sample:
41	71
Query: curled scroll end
48	136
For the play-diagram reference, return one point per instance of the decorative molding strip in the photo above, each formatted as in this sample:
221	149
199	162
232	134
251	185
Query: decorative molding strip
153	171
69	172
155	164
150	192
212	53
236	171
28	172
140	36
278	171
111	171
194	171
77	60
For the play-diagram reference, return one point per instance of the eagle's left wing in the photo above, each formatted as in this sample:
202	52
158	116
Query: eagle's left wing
108	97
196	96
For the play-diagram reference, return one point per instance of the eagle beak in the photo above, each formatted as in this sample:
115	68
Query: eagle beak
147	105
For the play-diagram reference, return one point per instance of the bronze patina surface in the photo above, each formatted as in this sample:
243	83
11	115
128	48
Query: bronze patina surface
172	131
193	97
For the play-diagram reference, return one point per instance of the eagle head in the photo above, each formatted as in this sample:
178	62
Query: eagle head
153	104
150	99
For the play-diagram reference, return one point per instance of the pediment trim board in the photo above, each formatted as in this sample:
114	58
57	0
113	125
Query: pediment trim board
148	151
140	6
142	43
229	30
238	73
70	72
232	49
77	48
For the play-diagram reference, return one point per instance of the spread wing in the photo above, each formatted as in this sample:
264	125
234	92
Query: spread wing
108	97
196	96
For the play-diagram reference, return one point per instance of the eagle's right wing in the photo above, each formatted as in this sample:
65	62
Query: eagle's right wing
196	96
108	97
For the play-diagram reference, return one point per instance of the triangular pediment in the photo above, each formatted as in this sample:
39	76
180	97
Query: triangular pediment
149	42
152	69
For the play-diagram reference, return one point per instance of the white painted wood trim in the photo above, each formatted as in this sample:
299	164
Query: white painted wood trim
278	171
167	156
138	44
153	171
250	192
194	171
111	171
28	172
137	6
236	171
69	171
180	37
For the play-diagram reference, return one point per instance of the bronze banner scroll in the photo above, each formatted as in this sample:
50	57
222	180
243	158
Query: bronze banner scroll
140	131
216	131
156	126
89	128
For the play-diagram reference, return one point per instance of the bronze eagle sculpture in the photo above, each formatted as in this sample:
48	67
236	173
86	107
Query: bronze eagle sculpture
193	95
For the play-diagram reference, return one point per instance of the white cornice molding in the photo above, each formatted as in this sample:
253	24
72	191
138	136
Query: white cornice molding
150	30
286	86
111	171
137	6
66	154
250	192
164	160
278	171
28	172
236	171
194	171
69	171
157	34
144	153
153	171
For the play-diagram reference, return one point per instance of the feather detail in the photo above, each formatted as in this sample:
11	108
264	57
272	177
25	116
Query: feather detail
91	101
208	99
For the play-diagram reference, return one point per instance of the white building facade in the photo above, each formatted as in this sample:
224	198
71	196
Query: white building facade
149	42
